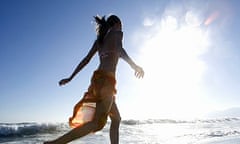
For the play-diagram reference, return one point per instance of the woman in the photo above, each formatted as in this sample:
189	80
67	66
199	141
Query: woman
102	87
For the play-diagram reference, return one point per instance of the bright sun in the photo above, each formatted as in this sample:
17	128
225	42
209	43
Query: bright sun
170	55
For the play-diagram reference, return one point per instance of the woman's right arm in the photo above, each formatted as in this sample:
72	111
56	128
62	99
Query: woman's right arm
83	63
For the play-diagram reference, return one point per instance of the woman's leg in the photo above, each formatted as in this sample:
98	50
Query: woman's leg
115	122
100	118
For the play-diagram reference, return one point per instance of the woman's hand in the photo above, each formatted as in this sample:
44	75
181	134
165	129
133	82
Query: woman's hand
64	81
139	73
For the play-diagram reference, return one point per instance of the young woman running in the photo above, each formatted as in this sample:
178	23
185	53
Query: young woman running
102	88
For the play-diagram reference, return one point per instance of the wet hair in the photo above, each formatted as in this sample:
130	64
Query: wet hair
103	25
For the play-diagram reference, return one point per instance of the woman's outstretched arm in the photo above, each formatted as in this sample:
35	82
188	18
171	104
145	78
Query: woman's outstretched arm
84	62
139	73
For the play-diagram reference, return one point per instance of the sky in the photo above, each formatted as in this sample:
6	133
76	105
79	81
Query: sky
189	50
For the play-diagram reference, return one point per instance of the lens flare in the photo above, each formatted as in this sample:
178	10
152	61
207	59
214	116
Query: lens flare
211	18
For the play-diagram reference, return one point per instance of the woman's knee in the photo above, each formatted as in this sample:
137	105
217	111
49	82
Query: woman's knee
100	123
116	119
99	127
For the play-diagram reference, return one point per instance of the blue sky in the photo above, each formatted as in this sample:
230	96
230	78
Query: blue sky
188	49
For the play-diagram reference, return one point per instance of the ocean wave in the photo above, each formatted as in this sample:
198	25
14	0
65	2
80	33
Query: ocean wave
171	121
26	129
220	120
212	134
222	133
151	121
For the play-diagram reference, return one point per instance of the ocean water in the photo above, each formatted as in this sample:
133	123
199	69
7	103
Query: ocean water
152	131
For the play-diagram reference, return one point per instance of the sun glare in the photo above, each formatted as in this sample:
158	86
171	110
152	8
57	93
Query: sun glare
170	54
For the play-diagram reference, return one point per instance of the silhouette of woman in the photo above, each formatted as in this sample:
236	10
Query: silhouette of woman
101	91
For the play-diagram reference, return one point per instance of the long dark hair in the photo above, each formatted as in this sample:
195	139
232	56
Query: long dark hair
103	25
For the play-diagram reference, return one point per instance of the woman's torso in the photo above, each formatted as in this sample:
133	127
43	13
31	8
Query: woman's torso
109	51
